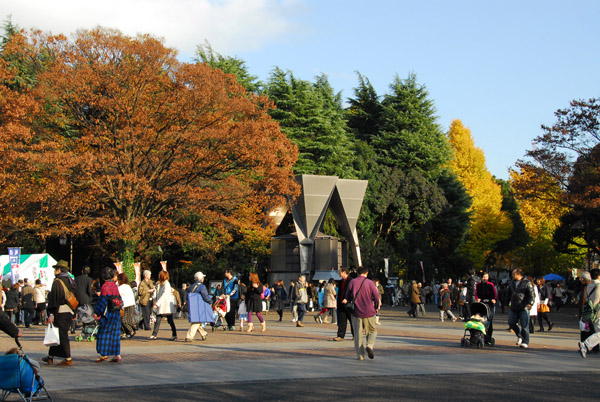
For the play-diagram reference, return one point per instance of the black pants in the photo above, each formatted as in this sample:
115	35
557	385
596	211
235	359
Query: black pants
343	318
169	320
541	318
63	322
413	309
146	311
28	314
490	330
230	316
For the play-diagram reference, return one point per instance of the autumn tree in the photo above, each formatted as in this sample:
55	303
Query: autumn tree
489	224
145	148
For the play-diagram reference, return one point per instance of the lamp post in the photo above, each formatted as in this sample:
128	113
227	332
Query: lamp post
62	240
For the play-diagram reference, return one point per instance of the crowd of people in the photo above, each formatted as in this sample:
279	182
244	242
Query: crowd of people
121	308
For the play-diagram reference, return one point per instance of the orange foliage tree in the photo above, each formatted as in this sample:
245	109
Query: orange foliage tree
142	147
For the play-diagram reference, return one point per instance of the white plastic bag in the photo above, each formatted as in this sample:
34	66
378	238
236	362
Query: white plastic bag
51	338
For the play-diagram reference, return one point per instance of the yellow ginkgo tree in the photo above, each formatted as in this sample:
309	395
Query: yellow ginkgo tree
489	224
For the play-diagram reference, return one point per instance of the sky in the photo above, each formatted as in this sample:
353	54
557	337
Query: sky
502	67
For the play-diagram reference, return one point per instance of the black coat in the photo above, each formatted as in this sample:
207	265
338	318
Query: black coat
253	299
84	291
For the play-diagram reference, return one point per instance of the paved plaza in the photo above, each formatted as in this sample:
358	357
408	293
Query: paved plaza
414	359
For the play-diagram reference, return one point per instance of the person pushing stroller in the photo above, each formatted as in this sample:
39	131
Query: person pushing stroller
485	292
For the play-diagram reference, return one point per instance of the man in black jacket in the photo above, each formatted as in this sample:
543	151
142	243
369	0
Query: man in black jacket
521	301
7	326
84	291
343	318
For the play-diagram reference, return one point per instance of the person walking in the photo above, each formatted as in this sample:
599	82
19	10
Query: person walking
445	303
146	294
254	302
366	304
521	301
415	299
60	314
544	308
329	303
592	295
40	302
28	303
485	292
165	305
342	315
231	289
199	308
280	298
108	313
126	292
301	299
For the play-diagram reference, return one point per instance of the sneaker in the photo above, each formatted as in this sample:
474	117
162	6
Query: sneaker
370	352
188	340
338	339
294	319
232	328
582	349
524	345
519	342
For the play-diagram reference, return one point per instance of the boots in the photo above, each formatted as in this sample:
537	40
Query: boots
299	324
264	326
250	327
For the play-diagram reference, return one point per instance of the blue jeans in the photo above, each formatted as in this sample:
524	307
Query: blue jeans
521	317
301	311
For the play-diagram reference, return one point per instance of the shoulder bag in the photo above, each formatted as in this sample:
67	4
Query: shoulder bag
350	303
69	296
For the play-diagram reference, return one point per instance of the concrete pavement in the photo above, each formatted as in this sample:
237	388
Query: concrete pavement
404	347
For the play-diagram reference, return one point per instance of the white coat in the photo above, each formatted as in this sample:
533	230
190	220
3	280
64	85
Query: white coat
164	299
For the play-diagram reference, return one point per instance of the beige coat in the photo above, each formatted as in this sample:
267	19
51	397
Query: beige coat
329	296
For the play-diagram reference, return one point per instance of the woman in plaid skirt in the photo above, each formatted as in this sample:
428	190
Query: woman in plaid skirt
128	297
108	312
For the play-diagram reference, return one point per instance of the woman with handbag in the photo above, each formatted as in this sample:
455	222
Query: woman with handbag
108	312
544	308
164	304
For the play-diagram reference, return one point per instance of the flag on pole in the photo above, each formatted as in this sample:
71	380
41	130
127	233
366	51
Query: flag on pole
137	267
164	265
14	258
422	270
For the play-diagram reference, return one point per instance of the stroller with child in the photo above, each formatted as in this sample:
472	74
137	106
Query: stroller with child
20	375
220	307
476	326
89	325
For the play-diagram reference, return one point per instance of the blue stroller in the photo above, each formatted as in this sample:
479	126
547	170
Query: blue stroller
18	375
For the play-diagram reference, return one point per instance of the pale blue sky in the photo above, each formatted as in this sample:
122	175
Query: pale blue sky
502	67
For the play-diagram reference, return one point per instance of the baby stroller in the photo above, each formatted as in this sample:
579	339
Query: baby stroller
20	375
89	325
220	308
476	327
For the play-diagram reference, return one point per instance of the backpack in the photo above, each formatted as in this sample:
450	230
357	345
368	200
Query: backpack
589	311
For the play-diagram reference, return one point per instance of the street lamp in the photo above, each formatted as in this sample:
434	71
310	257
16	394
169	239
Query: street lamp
62	240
